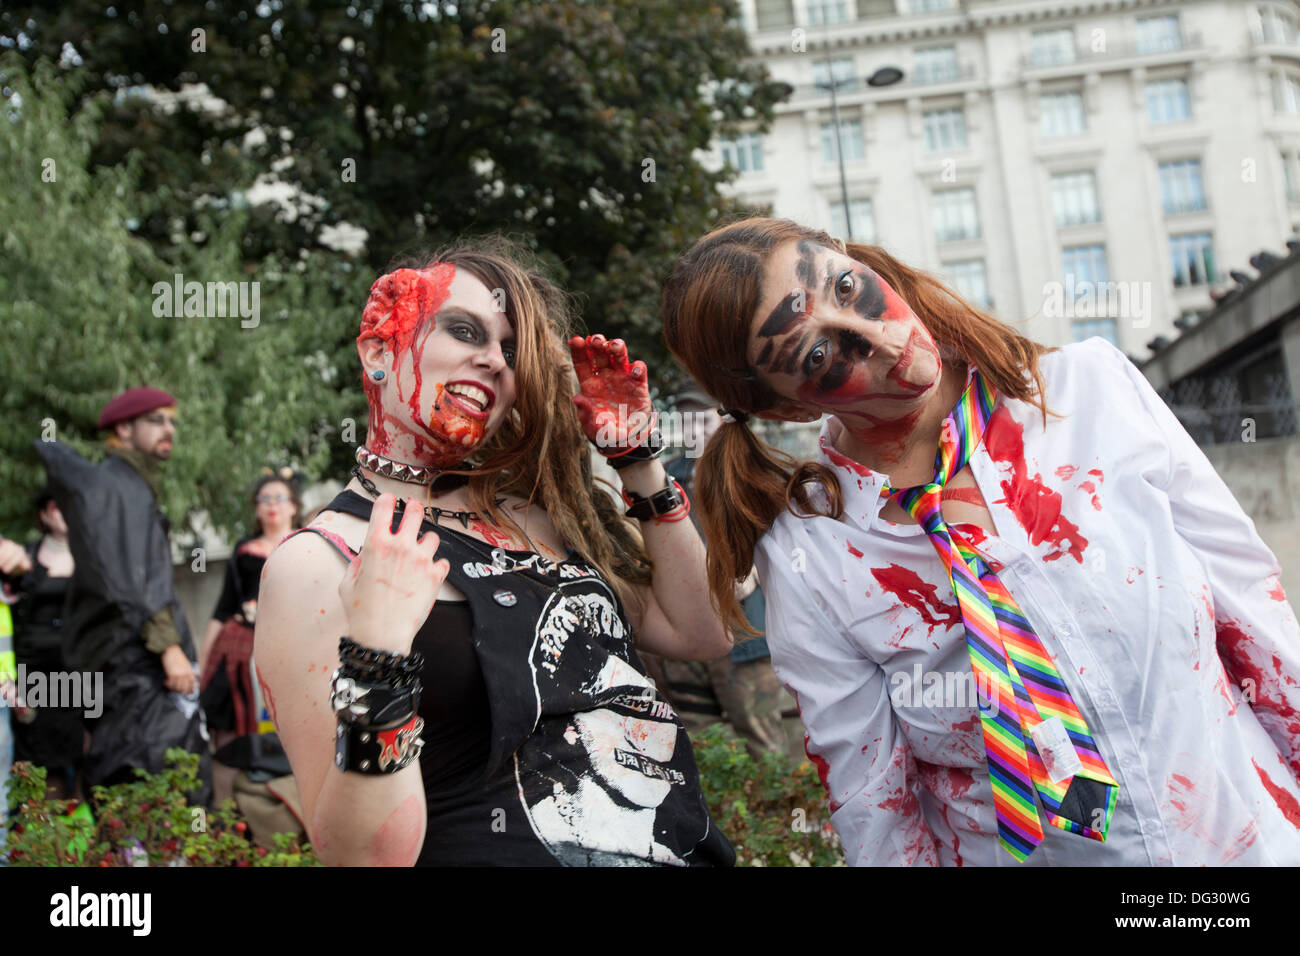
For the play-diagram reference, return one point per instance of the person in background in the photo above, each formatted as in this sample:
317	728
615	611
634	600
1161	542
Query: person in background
225	661
741	689
34	579
125	620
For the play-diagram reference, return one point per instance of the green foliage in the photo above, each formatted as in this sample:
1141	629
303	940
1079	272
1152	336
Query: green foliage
148	821
533	117
79	308
772	812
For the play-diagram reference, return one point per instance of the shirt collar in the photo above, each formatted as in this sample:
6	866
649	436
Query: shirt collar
860	486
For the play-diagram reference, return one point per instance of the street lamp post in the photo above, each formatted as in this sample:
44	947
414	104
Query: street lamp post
885	76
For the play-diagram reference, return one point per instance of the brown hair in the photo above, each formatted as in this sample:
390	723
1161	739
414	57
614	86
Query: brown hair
741	483
540	452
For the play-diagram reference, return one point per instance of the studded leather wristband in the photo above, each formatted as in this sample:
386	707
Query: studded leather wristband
371	750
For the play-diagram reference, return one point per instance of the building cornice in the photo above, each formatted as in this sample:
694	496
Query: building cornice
923	26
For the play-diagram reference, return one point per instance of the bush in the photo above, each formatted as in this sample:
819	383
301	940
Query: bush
145	823
772	811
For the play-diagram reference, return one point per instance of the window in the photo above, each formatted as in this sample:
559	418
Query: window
1286	93
1271	25
772	14
1074	199
745	152
852	145
1158	34
1181	187
823	12
970	281
1168	102
1289	163
1084	266
864	226
1062	114
1087	328
1193	259
839	72
945	129
935	65
929	6
1052	46
955	215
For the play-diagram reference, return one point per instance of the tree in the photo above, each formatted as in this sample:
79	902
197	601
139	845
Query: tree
84	315
575	125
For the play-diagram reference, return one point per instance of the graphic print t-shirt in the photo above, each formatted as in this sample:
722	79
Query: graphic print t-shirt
586	763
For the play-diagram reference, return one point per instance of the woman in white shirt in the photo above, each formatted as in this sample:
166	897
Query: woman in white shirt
1158	721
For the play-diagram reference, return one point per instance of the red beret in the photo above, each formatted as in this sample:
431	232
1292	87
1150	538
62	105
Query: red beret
133	402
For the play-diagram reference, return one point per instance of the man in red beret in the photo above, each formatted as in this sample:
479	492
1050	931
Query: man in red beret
125	619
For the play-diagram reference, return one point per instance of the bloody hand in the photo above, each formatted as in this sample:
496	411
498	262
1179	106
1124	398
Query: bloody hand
614	402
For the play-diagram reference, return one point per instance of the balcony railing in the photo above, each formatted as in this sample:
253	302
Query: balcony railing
1084	55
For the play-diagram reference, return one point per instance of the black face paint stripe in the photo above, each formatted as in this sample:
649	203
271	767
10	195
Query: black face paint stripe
783	317
793	360
764	355
807	267
870	303
851	342
835	376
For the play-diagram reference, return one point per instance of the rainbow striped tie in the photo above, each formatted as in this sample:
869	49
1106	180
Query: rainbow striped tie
1012	669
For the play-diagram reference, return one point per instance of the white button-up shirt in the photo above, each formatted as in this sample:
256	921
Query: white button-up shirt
1145	581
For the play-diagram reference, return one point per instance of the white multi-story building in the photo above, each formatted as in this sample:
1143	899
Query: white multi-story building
1079	167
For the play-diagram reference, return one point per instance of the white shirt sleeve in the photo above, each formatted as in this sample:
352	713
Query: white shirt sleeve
1258	636
859	749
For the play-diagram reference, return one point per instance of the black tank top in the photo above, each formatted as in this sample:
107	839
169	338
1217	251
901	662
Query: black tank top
545	743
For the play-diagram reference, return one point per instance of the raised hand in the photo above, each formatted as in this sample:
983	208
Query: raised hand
614	402
13	558
391	586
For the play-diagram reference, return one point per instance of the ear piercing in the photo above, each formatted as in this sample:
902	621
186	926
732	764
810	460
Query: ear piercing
377	375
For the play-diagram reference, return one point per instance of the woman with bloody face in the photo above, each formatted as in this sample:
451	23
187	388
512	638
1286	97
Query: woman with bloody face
1023	617
449	649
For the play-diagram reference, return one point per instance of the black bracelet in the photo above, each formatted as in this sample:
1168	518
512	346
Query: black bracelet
378	667
648	450
371	705
384	750
660	503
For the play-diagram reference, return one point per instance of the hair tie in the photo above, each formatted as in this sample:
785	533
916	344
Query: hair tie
733	416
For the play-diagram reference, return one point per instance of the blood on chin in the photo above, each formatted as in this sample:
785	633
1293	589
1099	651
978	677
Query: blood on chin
446	440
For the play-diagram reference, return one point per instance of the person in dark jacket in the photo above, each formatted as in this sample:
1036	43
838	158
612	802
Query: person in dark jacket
34	578
125	619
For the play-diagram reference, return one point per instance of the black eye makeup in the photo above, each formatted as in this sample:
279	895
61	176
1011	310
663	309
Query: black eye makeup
468	329
845	284
817	357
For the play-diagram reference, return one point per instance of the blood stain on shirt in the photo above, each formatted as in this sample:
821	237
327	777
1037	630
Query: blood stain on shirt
1091	489
1235	647
853	551
1036	507
1288	804
1277	594
907	586
1066	472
